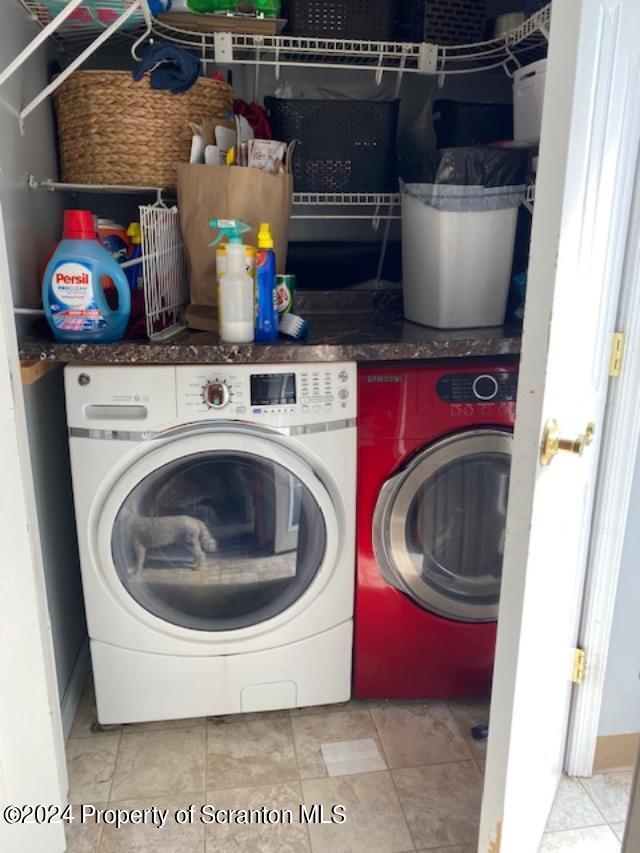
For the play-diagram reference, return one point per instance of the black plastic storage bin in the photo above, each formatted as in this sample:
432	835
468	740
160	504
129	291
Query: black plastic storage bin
533	6
340	19
441	21
458	123
342	146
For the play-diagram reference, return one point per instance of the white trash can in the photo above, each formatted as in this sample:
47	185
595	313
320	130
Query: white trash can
458	242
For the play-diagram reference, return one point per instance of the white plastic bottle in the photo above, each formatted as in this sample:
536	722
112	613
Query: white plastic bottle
237	307
236	288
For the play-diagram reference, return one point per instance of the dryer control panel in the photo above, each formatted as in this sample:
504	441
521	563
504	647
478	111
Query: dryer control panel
495	386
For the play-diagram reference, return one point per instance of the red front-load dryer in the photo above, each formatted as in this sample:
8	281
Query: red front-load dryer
434	454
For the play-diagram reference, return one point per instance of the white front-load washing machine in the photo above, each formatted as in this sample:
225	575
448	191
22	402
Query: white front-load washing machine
215	508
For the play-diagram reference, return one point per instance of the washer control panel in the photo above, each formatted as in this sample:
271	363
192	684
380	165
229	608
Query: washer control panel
495	386
279	395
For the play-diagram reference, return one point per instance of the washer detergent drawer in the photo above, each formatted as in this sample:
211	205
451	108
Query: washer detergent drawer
113	398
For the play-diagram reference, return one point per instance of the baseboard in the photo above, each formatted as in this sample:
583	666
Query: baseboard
614	752
73	693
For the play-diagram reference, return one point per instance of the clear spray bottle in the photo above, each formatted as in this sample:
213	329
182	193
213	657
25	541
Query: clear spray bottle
236	295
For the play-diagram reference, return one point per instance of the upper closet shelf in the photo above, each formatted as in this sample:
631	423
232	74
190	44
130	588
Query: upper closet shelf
80	33
512	49
131	19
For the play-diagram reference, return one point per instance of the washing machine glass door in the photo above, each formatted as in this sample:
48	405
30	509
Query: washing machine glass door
439	525
222	538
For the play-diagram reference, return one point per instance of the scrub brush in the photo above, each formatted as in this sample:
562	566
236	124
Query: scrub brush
293	326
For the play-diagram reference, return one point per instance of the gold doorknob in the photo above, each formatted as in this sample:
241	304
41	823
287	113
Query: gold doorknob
553	443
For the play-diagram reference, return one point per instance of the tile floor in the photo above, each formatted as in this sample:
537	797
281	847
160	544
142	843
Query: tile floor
408	774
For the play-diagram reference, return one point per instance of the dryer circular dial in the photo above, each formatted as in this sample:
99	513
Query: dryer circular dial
485	387
216	394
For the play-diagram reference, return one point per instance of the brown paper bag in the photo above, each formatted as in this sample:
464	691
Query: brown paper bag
226	192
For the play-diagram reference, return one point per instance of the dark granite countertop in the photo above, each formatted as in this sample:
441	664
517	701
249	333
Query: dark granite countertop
332	337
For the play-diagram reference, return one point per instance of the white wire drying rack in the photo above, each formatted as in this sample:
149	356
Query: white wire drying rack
164	271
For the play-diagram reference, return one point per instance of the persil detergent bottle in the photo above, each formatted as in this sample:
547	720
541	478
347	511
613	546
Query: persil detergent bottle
236	307
72	295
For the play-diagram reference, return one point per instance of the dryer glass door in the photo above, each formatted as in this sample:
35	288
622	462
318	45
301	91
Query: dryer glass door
439	525
219	540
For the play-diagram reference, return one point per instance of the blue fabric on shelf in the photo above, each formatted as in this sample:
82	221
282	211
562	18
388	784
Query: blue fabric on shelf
157	7
169	68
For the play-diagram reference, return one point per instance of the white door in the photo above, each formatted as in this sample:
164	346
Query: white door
32	767
588	160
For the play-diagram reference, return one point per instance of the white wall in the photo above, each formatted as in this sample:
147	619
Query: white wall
32	226
32	219
620	712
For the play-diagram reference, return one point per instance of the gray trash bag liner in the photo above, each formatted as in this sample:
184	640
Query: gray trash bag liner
466	198
478	165
472	178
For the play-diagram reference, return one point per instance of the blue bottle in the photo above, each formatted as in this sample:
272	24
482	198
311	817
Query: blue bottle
266	305
73	297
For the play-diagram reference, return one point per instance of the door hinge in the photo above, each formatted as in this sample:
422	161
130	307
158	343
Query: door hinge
617	350
578	667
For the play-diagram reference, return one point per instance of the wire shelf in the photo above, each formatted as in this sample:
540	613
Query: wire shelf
372	201
289	51
117	189
521	45
87	22
349	199
333	205
373	207
518	46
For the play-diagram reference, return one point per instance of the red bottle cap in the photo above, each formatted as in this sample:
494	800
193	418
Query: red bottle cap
78	225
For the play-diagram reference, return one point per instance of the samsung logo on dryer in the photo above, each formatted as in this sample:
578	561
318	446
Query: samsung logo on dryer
396	379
